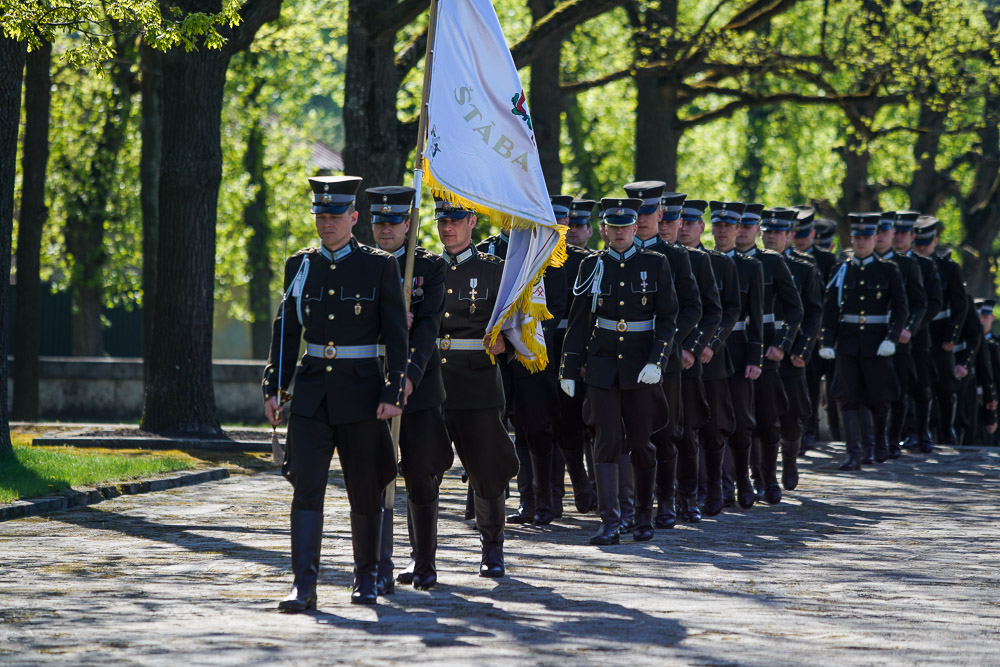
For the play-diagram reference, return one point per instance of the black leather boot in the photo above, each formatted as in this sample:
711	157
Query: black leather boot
489	519
867	437
541	469
922	421
897	418
789	466
607	504
558	478
384	582
470	504
406	576
833	419
583	493
808	442
666	477
881	436
366	531
425	520
769	472
852	431
525	489
745	494
713	493
687	487
644	481
307	537
626	494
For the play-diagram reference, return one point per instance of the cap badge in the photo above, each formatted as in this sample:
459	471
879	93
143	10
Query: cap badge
386	209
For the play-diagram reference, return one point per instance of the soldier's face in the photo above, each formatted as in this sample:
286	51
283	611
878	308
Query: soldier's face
669	230
390	237
863	245
578	234
804	243
746	236
901	241
724	235
646	225
335	229
987	322
456	234
883	241
690	232
620	237
774	240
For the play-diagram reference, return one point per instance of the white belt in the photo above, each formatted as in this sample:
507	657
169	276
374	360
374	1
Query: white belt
464	344
740	326
943	315
342	351
622	326
769	319
958	348
563	324
865	319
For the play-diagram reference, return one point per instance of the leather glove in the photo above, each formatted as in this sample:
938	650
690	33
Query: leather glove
568	387
650	374
827	353
886	349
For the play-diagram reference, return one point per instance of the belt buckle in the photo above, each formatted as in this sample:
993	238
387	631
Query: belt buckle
862	319
444	344
621	326
330	352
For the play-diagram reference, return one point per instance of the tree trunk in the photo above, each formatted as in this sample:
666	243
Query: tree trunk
34	160
149	173
657	130
86	219
751	172
258	221
582	161
929	187
857	193
546	103
12	55
372	149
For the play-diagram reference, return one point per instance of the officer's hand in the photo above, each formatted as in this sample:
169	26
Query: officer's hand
774	353
387	411
707	354
827	353
650	374
497	347
905	336
991	429
947	347
961	372
687	359
272	410
409	320
991	406
886	349
798	361
407	390
568	387
752	372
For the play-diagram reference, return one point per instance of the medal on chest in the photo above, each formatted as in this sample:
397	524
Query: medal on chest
357	309
473	283
643	284
418	286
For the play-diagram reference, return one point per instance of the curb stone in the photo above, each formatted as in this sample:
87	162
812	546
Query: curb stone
153	443
72	499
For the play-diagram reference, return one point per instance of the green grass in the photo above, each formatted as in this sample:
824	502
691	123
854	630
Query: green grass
40	471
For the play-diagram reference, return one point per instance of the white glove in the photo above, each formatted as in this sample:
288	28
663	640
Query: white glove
568	387
827	353
650	374
886	349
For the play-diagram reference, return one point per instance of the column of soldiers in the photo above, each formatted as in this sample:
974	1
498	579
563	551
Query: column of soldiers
677	373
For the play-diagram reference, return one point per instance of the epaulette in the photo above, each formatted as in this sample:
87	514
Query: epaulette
306	251
486	257
372	250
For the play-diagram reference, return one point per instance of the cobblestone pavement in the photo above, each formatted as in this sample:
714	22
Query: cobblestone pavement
892	565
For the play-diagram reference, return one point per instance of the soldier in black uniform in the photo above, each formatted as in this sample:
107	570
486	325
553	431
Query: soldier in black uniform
778	226
902	360
744	347
826	231
946	326
863	315
926	370
424	446
533	403
669	455
973	375
621	326
988	416
571	432
782	318
343	392
713	358
695	402
475	398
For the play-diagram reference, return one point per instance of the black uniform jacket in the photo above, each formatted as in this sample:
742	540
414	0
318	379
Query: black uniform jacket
711	305
867	288
427	306
574	256
351	297
779	288
948	329
728	286
806	278
913	281
471	378
931	281
746	347
636	286
826	263
686	289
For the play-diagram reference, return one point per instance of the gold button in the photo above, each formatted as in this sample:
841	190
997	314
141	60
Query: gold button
330	292
449	290
621	338
623	265
330	316
333	266
330	343
447	314
329	368
357	296
447	335
621	303
453	268
619	356
444	360
621	284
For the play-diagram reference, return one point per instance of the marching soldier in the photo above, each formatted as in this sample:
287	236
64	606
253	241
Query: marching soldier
946	325
715	362
863	315
424	446
991	353
668	440
781	299
826	230
344	298
778	225
902	360
621	326
745	345
475	397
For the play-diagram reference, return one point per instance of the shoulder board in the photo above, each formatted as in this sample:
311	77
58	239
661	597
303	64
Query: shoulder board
307	251
372	250
486	257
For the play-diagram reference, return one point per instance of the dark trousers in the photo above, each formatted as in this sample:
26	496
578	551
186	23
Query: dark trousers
799	408
366	456
770	403
741	392
484	447
424	453
534	410
945	388
865	382
719	427
667	439
910	387
625	415
814	382
571	432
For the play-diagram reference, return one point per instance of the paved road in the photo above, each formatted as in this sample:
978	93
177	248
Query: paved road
897	565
